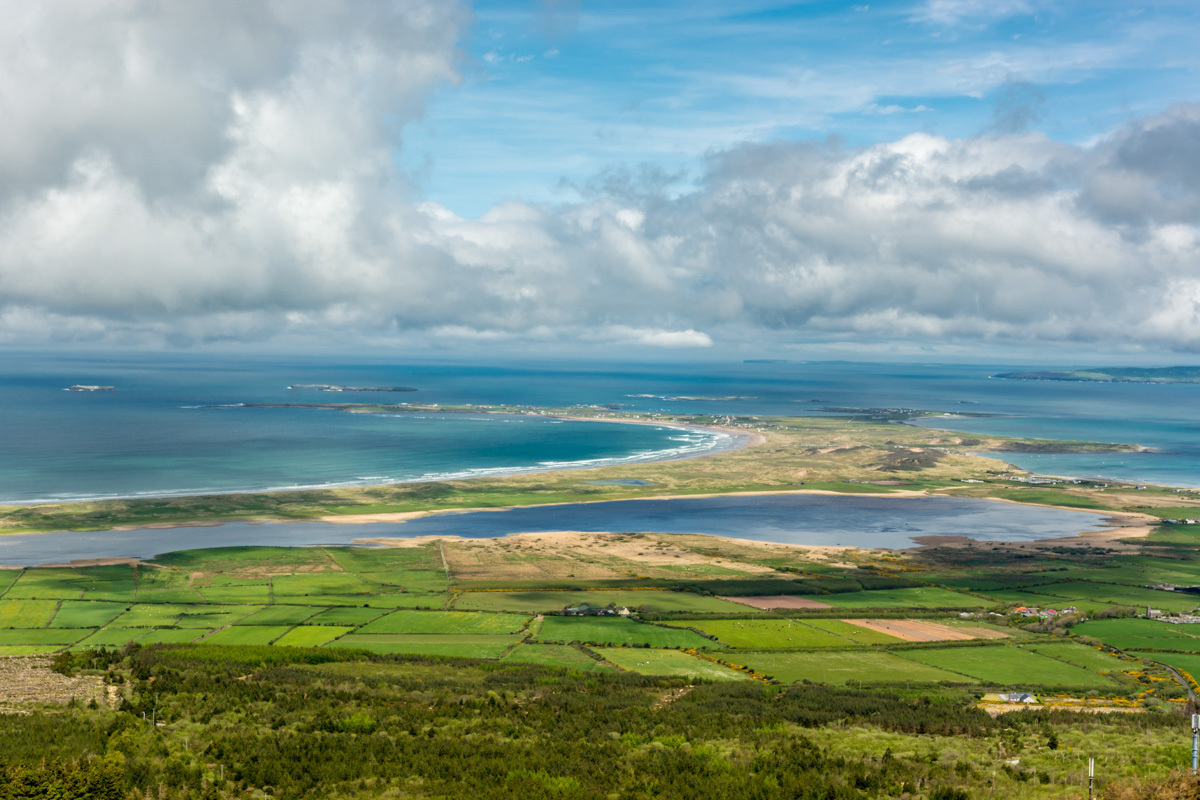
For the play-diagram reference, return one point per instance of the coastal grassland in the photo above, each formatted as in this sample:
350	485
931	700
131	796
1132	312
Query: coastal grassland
852	454
555	655
311	636
920	597
406	621
240	592
767	634
839	667
608	630
319	584
1006	665
53	583
535	602
669	663
85	613
436	644
27	613
247	634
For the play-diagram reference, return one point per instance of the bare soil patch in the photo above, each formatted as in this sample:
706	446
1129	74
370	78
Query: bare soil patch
918	630
996	709
28	681
778	601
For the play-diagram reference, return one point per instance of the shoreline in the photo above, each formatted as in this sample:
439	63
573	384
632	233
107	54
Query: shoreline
742	440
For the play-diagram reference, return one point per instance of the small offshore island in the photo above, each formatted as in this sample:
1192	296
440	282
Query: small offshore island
1112	375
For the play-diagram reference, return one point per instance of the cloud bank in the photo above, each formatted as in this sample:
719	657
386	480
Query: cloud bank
189	173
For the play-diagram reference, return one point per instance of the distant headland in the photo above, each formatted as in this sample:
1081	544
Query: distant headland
333	387
1112	375
82	387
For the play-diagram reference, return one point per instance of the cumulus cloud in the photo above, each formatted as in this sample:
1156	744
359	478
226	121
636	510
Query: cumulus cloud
231	175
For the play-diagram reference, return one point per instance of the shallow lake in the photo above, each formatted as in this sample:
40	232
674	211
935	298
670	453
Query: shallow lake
892	522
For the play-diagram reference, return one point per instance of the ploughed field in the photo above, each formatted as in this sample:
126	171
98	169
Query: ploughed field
868	618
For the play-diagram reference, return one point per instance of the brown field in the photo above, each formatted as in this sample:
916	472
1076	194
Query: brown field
778	601
919	630
27	681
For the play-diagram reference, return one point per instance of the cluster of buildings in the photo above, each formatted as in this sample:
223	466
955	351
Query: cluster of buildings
585	610
1043	613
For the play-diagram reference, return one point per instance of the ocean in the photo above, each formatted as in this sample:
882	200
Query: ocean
179	425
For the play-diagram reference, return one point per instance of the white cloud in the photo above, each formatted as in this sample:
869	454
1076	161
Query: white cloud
262	200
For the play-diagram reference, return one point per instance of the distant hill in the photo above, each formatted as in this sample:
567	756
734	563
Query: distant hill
1113	375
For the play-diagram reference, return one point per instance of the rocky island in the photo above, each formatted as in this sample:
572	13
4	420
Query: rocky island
333	387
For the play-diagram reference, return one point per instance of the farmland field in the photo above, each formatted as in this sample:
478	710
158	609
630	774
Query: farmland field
111	637
1006	665
534	602
26	613
44	583
918	597
171	636
555	655
213	616
346	616
616	630
668	662
255	593
86	614
839	667
310	636
334	583
437	644
280	615
1140	634
1185	662
58	636
247	634
446	622
853	633
150	616
768	634
1080	655
397	600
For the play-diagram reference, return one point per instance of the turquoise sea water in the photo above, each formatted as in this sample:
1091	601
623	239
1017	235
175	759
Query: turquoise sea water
153	437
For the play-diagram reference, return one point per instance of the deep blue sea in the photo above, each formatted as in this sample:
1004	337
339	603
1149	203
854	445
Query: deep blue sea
153	436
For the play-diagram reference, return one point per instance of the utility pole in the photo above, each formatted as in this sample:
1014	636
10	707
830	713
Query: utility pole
1091	779
1195	741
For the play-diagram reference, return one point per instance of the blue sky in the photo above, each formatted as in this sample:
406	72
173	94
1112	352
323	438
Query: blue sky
554	93
928	179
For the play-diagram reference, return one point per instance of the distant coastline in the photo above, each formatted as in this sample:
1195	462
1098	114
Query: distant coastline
1111	375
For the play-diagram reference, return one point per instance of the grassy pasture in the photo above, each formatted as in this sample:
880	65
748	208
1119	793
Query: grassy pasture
58	636
213	616
1086	593
171	636
247	634
536	602
26	649
840	667
386	559
7	578
1140	634
310	636
768	634
280	615
48	583
1080	655
617	630
27	613
555	655
321	583
1184	662
446	622
353	617
1006	665
150	615
422	581
917	597
468	646
853	633
669	663
110	637
249	593
397	600
86	614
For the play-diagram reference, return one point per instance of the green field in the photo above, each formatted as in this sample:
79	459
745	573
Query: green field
334	583
617	630
250	592
280	615
59	636
247	634
171	636
150	615
1080	655
768	634
917	597
43	583
852	633
438	644
1006	665
27	613
346	616
112	637
86	614
446	622
841	666
669	663
555	655
213	616
310	636
1184	662
1141	634
538	602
